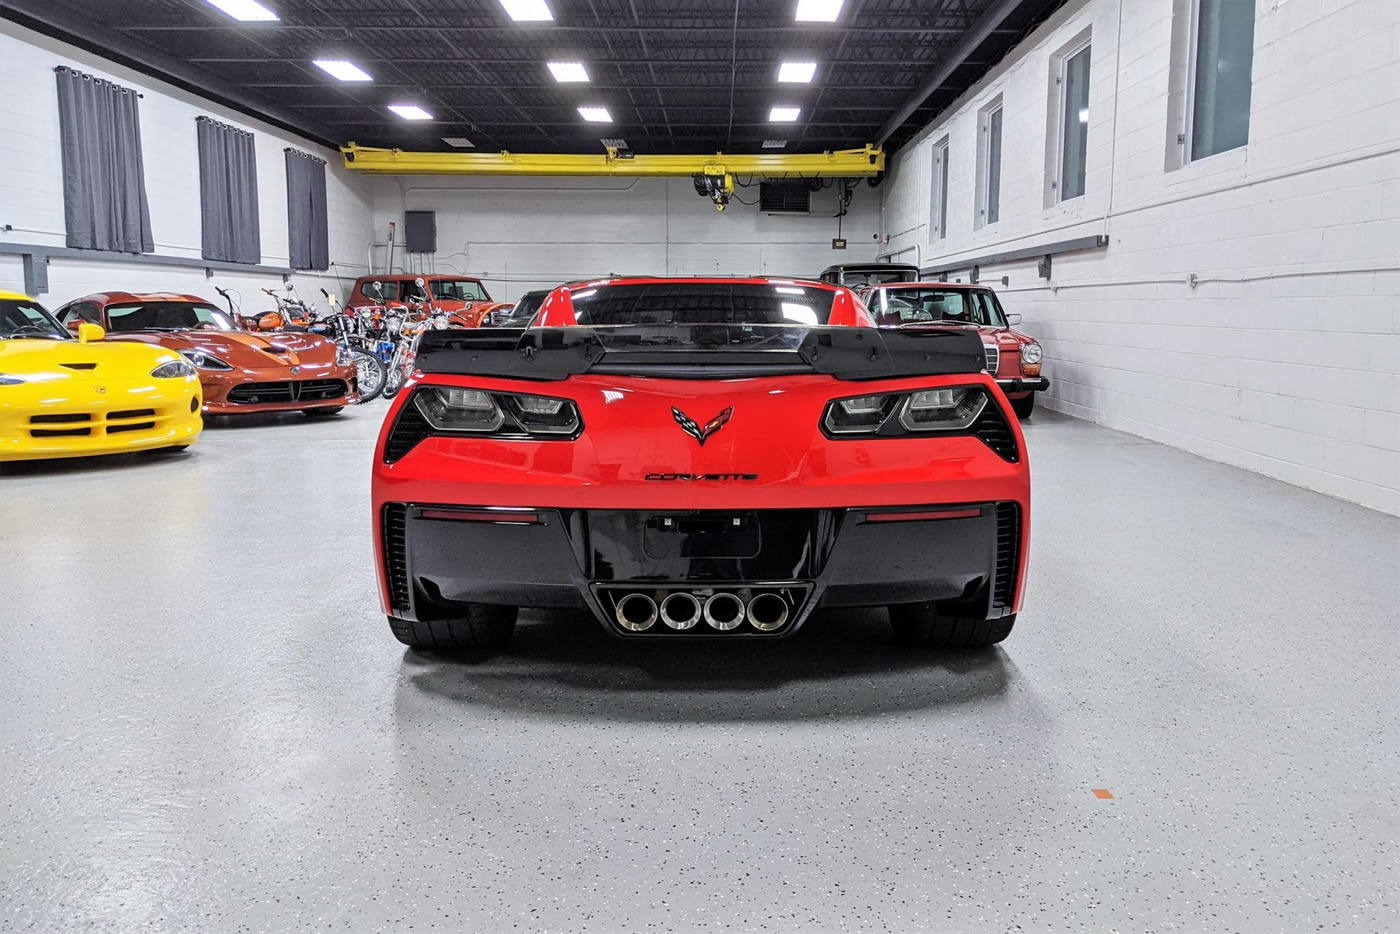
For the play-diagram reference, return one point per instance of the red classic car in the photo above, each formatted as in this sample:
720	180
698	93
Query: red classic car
240	371
1013	358
464	298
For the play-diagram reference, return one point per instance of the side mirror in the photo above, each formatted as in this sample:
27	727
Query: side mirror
89	332
378	288
419	282
1013	318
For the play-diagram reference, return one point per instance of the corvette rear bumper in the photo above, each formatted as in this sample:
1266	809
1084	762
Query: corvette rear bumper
434	558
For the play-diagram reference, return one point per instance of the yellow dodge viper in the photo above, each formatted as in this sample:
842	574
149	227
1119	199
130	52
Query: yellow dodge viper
61	397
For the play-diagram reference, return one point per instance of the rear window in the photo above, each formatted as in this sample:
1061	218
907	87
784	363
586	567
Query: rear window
702	303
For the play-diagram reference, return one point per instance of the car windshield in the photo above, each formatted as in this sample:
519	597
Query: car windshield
947	306
166	316
20	319
702	303
466	290
524	311
857	277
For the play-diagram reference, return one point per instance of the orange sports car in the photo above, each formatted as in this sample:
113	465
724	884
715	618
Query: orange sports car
240	371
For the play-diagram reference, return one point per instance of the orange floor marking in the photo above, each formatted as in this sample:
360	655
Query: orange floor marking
1101	793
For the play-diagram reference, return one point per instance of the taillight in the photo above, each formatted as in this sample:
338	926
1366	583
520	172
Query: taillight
967	410
508	414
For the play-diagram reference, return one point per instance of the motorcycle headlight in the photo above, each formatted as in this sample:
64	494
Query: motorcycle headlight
1031	353
175	369
204	360
343	355
942	409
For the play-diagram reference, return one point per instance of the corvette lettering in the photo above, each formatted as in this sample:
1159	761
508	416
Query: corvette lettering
696	477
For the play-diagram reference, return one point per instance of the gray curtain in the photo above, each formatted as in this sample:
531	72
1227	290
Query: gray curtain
306	211
228	193
104	184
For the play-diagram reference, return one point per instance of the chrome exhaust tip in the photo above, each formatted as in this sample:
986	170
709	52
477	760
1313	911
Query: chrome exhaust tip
724	611
680	610
636	612
767	612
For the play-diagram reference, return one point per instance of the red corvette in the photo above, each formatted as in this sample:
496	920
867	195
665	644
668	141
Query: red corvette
701	457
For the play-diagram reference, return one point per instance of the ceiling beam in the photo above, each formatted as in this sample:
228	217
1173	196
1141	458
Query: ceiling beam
950	61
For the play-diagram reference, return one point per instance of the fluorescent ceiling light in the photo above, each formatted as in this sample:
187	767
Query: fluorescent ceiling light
797	72
818	11
341	69
783	114
614	144
527	11
410	111
568	71
246	11
595	114
775	144
461	142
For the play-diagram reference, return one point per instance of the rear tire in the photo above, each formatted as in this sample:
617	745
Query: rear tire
484	628
322	413
1023	407
919	624
369	375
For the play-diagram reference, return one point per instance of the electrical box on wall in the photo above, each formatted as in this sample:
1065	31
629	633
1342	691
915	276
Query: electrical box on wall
420	231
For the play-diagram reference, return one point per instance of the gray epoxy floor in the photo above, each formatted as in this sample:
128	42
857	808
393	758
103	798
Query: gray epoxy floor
205	724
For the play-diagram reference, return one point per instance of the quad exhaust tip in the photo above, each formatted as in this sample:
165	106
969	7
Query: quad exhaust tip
636	612
724	611
680	610
767	612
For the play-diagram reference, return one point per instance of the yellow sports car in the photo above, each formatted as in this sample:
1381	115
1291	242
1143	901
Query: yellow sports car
61	397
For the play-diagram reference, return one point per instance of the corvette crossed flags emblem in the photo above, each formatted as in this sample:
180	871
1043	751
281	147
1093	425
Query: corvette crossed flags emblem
698	432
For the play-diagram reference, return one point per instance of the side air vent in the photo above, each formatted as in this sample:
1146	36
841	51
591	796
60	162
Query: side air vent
992	428
784	198
395	560
409	428
1008	550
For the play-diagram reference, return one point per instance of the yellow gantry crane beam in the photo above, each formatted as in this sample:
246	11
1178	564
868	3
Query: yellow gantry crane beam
845	163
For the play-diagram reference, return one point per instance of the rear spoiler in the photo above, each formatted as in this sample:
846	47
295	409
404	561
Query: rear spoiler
709	351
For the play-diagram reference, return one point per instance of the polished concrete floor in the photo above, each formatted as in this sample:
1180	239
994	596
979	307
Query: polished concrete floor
205	724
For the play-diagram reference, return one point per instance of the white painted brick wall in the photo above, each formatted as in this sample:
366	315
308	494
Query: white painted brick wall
31	183
528	233
1294	372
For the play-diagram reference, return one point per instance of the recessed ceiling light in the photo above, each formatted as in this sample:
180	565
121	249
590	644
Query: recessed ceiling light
339	68
783	114
246	11
461	142
410	111
568	71
614	143
775	144
818	11
595	114
797	72
527	11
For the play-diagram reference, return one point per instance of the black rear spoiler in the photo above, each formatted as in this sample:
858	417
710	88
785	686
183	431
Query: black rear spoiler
708	351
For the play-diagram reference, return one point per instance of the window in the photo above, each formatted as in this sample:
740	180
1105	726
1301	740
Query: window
989	164
228	193
104	184
77	313
939	215
1073	87
167	316
702	303
21	319
387	291
466	290
308	230
1222	54
898	305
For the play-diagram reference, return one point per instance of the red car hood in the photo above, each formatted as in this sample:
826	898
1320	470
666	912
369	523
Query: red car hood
244	348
